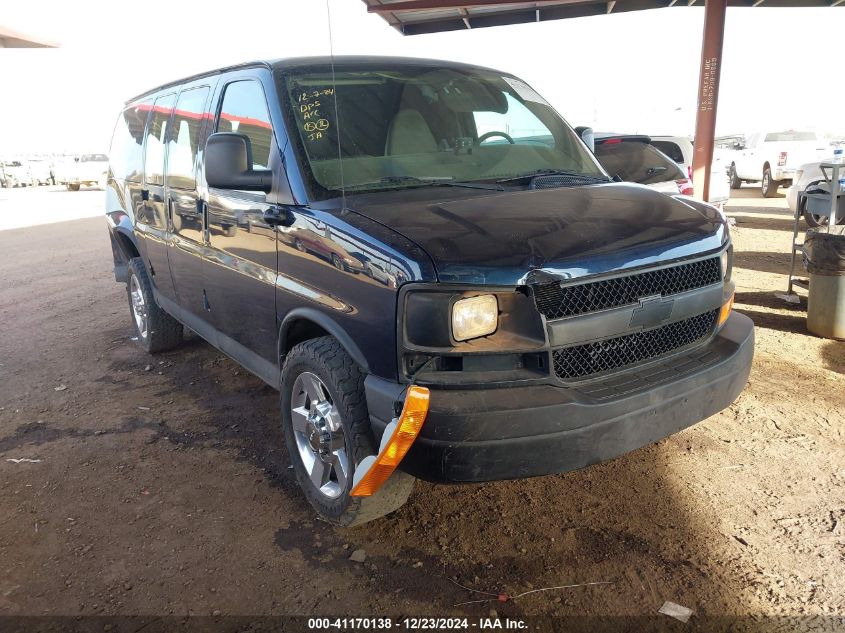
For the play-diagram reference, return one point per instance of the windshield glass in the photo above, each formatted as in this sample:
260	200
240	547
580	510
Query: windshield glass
635	161
411	125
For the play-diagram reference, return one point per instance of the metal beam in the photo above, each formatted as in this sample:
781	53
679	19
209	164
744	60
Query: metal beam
836	3
426	5
610	5
757	3
708	95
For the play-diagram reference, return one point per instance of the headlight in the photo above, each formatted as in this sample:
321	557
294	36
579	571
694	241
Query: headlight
726	273
474	317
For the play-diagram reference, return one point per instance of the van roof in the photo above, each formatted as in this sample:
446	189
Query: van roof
324	60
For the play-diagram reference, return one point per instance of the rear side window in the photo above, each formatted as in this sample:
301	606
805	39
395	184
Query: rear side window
184	138
244	111
672	150
634	161
156	135
127	145
781	137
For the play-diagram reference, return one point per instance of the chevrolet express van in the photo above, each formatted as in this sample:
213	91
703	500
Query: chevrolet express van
428	264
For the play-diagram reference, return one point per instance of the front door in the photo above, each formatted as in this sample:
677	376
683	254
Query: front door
240	269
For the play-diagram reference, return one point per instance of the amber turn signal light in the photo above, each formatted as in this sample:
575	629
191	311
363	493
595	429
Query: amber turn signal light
725	312
395	444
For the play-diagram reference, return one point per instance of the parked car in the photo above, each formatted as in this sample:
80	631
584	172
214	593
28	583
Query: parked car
680	149
89	169
540	317
63	167
808	175
633	158
771	158
15	173
41	171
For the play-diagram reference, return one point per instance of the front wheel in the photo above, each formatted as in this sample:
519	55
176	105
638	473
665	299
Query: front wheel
155	330
327	432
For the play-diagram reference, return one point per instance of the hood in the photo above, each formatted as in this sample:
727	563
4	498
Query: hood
513	238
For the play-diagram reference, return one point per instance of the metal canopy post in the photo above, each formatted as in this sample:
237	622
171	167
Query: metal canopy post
708	95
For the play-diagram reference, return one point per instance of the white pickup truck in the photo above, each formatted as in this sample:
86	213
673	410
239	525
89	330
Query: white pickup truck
772	158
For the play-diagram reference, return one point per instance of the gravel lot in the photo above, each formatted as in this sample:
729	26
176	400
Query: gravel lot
163	484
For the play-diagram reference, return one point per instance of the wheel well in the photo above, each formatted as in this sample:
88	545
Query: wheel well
299	331
126	246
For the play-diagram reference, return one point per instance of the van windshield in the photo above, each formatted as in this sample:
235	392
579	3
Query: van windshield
411	125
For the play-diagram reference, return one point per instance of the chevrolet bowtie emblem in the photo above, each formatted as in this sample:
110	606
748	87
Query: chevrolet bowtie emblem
652	311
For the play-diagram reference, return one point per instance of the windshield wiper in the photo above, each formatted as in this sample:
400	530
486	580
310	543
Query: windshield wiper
554	172
423	181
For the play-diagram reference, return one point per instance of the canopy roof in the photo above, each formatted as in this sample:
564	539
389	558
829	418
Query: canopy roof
413	17
10	38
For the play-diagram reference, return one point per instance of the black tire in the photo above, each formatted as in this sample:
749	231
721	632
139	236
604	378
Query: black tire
337	262
736	182
813	220
163	332
769	186
344	382
298	245
72	186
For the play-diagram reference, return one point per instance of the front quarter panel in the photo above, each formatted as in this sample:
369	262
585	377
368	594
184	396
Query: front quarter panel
349	269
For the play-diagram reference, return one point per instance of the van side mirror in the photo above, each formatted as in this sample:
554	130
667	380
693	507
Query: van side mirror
586	134
228	164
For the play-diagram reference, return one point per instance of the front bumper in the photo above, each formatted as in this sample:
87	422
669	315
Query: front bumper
510	433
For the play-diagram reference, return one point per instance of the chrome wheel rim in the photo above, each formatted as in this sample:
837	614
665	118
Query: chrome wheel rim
319	435
139	306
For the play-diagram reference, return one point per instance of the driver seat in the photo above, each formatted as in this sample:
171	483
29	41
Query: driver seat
409	134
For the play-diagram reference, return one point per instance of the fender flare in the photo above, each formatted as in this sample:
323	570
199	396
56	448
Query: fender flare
329	325
128	234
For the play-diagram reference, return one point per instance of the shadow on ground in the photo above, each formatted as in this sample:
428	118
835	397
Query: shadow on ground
626	522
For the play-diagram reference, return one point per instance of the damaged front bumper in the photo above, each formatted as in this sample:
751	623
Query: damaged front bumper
525	431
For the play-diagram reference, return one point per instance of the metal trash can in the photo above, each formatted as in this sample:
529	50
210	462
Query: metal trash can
824	256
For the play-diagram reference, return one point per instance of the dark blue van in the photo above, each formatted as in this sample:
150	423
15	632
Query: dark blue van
428	263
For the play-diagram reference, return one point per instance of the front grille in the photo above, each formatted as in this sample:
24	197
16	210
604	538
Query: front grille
556	301
615	353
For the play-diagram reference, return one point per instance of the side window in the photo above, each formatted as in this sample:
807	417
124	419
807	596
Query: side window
184	138
156	135
518	122
244	111
127	146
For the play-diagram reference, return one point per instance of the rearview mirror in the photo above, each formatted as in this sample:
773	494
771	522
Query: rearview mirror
586	134
228	164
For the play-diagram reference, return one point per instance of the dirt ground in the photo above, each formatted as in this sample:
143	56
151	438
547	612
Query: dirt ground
163	486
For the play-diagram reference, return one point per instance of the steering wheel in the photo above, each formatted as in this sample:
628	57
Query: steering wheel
487	135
